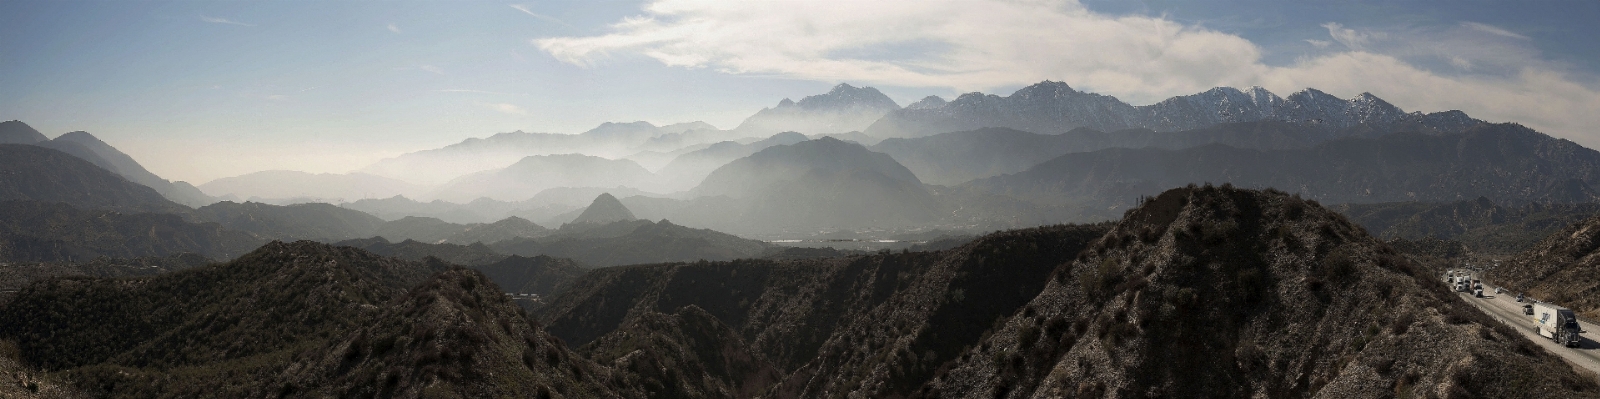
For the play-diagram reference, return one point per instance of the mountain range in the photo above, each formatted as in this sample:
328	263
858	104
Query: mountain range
37	173
612	140
1051	107
1505	163
283	187
89	148
535	174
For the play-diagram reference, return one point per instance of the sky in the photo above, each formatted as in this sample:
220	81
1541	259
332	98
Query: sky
200	90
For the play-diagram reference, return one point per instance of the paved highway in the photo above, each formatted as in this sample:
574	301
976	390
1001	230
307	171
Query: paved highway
1505	308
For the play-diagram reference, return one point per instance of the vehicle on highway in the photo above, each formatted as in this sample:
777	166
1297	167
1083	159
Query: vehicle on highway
1527	310
1478	293
1519	299
1557	323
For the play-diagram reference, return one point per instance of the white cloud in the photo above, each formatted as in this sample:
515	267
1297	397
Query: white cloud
983	45
1491	29
431	68
216	20
394	28
964	45
506	108
277	97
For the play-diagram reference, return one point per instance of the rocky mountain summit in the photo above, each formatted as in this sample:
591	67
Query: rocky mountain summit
1236	293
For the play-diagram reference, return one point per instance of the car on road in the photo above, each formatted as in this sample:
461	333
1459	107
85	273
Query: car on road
1519	299
1527	310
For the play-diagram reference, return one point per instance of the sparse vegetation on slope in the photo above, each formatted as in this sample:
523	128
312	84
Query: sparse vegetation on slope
1564	268
32	231
1222	292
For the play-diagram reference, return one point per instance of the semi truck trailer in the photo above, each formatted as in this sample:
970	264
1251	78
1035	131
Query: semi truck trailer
1557	323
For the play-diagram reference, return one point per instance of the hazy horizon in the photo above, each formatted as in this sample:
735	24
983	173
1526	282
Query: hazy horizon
200	91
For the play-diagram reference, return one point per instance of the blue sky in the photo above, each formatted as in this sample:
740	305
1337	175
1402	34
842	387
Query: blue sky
202	90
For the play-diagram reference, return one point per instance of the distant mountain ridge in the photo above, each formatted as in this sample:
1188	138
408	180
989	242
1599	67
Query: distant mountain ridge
308	187
845	108
1506	163
825	182
1052	107
535	174
605	209
89	148
612	140
42	174
958	157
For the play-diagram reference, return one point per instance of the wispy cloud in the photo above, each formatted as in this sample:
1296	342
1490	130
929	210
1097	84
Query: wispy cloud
394	28
984	45
431	68
277	97
1355	40
1491	29
506	108
479	92
217	20
548	18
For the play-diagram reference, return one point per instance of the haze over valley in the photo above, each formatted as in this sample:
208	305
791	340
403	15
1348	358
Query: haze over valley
874	199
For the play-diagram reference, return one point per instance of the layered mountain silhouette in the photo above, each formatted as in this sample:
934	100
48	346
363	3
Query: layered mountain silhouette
286	186
634	242
89	148
604	210
86	146
1051	107
1480	225
35	231
41	174
821	183
17	132
614	140
412	250
534	174
689	169
1505	163
320	222
958	157
845	108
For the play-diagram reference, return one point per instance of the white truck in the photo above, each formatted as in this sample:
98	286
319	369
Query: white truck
1557	323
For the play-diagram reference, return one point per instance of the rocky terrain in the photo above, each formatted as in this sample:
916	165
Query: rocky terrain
33	231
1200	290
1235	293
1483	226
1564	268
